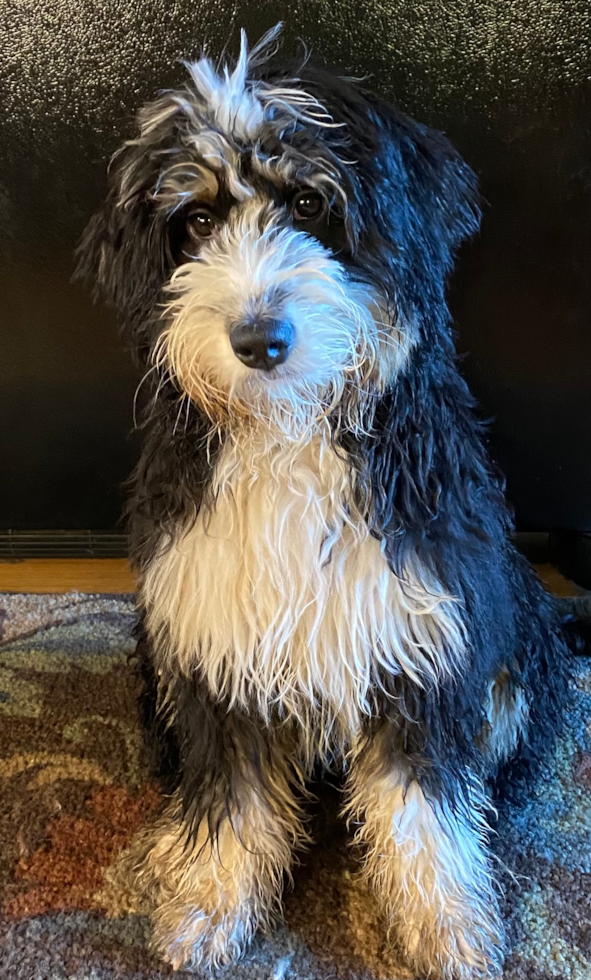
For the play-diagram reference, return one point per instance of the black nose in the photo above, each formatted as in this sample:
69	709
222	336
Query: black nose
262	343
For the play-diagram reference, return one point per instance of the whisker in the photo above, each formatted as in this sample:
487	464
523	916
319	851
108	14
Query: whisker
181	403
137	391
187	415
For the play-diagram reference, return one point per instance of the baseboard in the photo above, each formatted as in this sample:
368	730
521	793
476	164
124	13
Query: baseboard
570	551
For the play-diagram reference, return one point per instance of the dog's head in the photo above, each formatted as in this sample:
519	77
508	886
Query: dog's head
278	240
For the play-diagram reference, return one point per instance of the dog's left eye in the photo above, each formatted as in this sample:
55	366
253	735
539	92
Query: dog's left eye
201	223
308	205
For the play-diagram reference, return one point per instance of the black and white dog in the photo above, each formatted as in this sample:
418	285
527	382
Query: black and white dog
321	542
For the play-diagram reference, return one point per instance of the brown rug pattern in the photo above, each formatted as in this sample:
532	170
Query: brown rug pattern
75	790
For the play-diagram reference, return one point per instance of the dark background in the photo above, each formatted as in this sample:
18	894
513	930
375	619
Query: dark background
508	81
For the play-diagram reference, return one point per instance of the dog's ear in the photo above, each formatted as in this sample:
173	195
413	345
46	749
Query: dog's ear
125	249
426	199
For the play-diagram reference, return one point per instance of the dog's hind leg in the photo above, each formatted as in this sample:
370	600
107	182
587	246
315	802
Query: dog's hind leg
506	718
427	860
212	866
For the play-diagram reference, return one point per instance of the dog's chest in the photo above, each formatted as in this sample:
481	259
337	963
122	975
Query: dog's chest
280	595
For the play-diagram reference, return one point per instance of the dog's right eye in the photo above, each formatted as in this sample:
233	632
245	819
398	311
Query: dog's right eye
201	223
308	206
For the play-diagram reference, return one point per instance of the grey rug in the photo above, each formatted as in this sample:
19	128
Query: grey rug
75	790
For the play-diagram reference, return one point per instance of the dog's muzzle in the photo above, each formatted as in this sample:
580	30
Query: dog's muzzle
262	343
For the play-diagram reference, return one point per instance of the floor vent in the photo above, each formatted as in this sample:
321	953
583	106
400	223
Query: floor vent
17	545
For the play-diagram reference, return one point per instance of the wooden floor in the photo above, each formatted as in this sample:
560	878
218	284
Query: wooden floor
66	575
113	575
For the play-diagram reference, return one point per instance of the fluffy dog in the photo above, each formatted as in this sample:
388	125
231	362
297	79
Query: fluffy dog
322	545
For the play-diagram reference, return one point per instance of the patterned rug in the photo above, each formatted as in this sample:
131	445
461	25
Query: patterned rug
75	790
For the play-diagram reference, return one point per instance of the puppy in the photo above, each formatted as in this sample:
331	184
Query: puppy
321	543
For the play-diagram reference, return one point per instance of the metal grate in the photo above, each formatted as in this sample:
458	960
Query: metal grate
17	545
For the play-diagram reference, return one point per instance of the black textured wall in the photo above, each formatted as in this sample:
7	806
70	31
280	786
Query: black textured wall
508	80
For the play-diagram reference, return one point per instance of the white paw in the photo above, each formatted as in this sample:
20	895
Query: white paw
192	938
455	951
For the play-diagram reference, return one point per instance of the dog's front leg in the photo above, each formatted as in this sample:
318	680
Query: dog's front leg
213	864
426	858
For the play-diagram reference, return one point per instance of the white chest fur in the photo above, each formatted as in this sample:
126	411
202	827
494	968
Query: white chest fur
280	596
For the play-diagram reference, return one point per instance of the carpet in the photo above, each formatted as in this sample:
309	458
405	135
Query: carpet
75	790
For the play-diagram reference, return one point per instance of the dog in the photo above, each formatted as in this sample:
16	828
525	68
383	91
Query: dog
323	547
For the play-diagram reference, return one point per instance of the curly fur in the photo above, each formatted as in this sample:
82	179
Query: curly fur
323	551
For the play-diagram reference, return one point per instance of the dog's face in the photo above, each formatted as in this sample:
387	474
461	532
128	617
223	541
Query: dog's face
278	244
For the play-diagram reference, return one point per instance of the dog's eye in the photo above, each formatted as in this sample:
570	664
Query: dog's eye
201	223
308	205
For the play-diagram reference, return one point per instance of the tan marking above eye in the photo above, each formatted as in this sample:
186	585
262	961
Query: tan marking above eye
184	181
208	184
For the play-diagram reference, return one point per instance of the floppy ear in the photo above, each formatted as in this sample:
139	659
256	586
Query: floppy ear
121	252
426	197
125	250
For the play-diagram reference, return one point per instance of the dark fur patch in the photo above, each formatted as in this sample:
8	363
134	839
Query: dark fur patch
206	751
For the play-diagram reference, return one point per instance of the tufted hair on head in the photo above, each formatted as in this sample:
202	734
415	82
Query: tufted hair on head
405	197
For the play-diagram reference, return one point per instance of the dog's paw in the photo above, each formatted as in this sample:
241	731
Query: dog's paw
191	938
455	951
